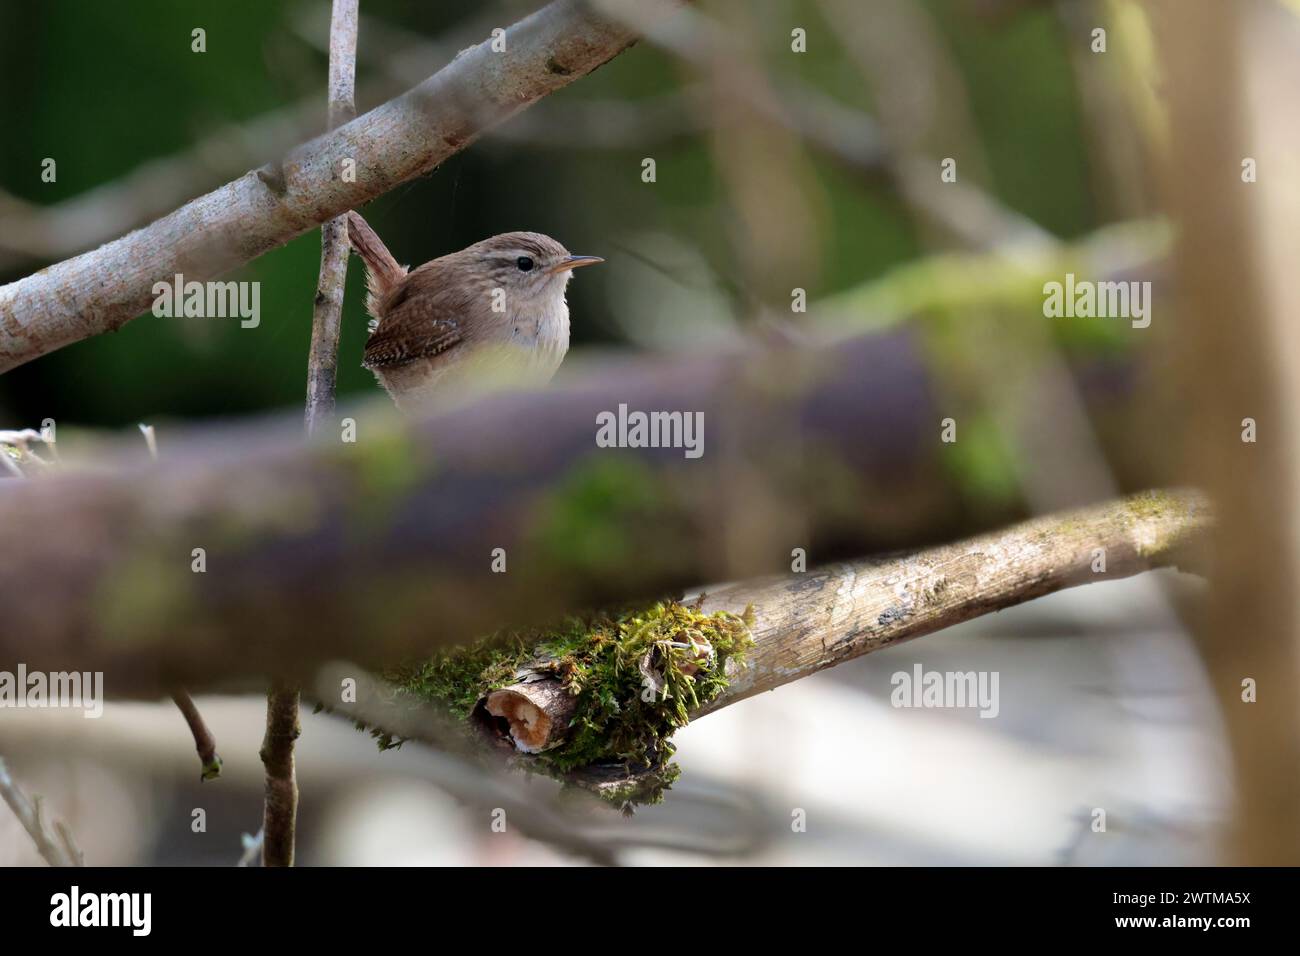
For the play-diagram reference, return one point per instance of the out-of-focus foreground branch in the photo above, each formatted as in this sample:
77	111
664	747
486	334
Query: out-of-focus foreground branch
381	548
404	138
243	545
1232	71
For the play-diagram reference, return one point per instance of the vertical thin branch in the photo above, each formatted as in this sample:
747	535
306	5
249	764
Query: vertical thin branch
57	850
280	812
204	743
69	845
327	309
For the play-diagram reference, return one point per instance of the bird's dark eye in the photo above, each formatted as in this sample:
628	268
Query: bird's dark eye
524	263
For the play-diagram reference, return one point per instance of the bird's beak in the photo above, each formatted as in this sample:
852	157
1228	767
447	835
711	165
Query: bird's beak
573	262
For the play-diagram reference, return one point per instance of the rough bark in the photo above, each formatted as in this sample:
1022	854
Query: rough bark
327	307
804	623
406	137
280	809
808	622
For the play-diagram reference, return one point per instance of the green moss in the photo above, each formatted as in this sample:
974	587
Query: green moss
144	590
1154	504
631	673
586	520
1160	536
983	461
383	470
626	789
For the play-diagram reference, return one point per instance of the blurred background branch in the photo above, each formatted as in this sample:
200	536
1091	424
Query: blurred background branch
377	535
1232	73
204	743
57	848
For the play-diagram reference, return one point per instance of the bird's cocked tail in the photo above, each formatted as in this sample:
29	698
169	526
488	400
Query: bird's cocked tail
382	271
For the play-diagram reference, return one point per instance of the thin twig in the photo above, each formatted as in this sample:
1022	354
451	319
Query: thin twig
280	813
204	743
327	310
58	849
69	844
282	727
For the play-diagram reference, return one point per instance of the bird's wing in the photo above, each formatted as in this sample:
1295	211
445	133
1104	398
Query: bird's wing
417	327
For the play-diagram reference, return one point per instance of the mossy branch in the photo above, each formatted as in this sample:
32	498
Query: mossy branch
610	705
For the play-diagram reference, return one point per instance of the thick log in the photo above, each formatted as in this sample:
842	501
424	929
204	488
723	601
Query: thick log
378	549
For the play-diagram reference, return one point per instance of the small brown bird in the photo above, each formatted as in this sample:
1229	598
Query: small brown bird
490	315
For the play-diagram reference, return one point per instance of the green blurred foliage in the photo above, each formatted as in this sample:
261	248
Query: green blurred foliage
104	87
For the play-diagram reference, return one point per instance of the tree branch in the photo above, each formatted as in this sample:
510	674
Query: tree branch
327	308
312	546
316	545
280	810
58	848
404	138
204	743
807	622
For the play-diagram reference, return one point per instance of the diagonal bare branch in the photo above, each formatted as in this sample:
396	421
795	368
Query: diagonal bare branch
205	745
404	138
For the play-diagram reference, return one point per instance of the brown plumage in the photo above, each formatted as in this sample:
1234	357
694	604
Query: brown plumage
492	314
